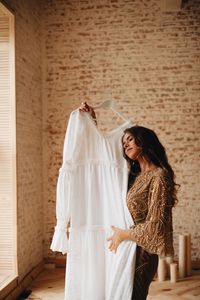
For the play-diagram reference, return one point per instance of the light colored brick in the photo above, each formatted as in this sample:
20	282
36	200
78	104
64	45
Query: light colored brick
149	60
73	51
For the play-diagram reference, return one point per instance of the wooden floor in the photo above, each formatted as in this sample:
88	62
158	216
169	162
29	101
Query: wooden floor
50	286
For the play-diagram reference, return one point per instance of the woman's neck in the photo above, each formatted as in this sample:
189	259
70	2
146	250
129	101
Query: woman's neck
145	165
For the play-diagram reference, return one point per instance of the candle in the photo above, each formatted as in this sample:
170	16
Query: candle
188	250
173	272
169	260
182	256
161	269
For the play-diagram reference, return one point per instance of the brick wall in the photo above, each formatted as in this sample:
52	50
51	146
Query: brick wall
148	60
29	134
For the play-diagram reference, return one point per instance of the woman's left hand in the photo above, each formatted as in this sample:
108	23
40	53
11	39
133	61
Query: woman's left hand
118	236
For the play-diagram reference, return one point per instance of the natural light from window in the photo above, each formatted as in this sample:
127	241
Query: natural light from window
8	248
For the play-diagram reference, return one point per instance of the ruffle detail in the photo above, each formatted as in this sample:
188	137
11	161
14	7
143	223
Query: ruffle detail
60	241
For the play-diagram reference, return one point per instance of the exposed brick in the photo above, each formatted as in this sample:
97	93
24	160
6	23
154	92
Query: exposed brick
149	60
73	51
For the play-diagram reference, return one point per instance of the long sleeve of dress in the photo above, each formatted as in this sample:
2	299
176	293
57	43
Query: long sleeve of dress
155	231
63	192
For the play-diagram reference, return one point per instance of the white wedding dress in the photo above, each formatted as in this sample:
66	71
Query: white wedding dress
91	194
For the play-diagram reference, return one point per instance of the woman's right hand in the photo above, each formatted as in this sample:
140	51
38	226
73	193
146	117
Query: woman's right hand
87	108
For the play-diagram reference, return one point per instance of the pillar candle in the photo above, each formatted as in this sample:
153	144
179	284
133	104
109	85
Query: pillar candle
173	272
161	269
188	251
169	260
182	256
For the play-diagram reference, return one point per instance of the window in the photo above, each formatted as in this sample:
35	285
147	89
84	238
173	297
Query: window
8	249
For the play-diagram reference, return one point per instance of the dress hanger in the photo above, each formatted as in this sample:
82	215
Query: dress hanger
113	106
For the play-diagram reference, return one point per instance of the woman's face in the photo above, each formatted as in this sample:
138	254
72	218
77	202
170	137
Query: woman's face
130	148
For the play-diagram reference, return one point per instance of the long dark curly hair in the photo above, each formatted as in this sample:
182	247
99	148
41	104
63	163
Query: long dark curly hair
153	151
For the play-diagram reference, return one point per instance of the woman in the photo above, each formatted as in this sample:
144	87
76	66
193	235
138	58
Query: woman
150	198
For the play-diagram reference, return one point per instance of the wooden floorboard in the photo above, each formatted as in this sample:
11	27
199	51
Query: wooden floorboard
49	285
